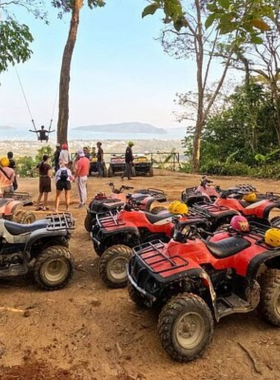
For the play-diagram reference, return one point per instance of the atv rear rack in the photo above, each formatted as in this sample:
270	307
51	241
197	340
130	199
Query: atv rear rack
209	210
18	196
151	254
109	220
60	221
156	193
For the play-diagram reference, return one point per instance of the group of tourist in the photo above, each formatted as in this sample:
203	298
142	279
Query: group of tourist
66	171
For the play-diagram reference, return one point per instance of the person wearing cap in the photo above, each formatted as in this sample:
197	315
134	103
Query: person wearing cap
100	159
56	157
64	155
128	161
45	173
7	176
81	173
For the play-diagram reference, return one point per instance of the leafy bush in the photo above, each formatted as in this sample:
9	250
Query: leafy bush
25	165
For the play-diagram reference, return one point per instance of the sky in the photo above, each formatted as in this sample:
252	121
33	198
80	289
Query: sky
119	72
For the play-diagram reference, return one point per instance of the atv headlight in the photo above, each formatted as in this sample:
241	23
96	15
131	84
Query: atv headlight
151	286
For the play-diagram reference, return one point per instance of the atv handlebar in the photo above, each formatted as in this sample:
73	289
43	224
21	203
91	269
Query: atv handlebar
120	190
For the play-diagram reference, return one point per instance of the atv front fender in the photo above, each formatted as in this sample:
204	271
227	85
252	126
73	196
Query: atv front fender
41	234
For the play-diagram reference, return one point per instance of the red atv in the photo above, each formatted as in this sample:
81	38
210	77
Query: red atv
206	192
11	208
257	210
115	235
199	281
102	203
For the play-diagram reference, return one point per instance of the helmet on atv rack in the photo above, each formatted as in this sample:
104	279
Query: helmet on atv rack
239	223
177	207
251	197
272	237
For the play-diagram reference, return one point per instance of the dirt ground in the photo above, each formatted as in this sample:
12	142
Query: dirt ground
86	331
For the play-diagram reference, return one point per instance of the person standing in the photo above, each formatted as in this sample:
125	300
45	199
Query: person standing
56	157
64	155
100	159
7	176
128	161
81	173
12	163
45	173
63	178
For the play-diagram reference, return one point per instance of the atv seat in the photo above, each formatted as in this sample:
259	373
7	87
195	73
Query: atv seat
227	247
154	218
18	229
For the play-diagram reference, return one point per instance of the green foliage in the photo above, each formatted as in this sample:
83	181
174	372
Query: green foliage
44	150
14	43
25	166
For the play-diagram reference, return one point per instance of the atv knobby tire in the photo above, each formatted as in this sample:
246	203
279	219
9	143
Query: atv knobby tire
88	223
269	305
135	295
25	217
275	222
53	268
112	266
185	327
156	210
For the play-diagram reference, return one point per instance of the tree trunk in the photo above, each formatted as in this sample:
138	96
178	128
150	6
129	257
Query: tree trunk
63	113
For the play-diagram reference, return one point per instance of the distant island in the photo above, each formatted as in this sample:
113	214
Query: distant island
6	127
130	127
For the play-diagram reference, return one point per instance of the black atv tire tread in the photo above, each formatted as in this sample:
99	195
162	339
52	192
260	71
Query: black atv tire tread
25	216
115	250
51	252
168	317
135	296
88	223
274	219
157	209
270	292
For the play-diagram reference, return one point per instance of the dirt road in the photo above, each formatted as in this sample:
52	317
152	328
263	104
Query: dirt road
87	331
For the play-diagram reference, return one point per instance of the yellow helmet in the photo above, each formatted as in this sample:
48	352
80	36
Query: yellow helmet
272	237
177	207
4	162
251	197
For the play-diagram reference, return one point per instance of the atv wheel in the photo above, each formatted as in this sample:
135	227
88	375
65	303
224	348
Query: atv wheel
112	266
97	250
185	327
151	172
25	217
156	210
110	171
88	223
269	305
135	295
275	222
53	268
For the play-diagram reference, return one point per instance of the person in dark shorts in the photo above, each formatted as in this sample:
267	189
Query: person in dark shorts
45	173
100	159
63	178
128	161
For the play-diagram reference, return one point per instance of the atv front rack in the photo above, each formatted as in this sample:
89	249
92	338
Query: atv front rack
152	254
156	193
60	221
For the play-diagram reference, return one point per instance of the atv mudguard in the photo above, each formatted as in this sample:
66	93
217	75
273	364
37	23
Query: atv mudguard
42	234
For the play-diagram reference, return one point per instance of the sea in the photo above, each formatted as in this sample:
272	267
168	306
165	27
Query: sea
19	134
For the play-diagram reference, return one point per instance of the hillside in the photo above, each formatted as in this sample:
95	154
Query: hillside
130	127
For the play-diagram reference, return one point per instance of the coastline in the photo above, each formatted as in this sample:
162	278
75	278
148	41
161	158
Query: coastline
30	148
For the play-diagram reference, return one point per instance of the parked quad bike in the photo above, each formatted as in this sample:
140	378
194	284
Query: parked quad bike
40	247
198	281
103	203
257	210
11	208
207	192
115	235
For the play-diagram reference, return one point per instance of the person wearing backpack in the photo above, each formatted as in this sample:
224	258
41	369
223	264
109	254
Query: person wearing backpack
63	178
